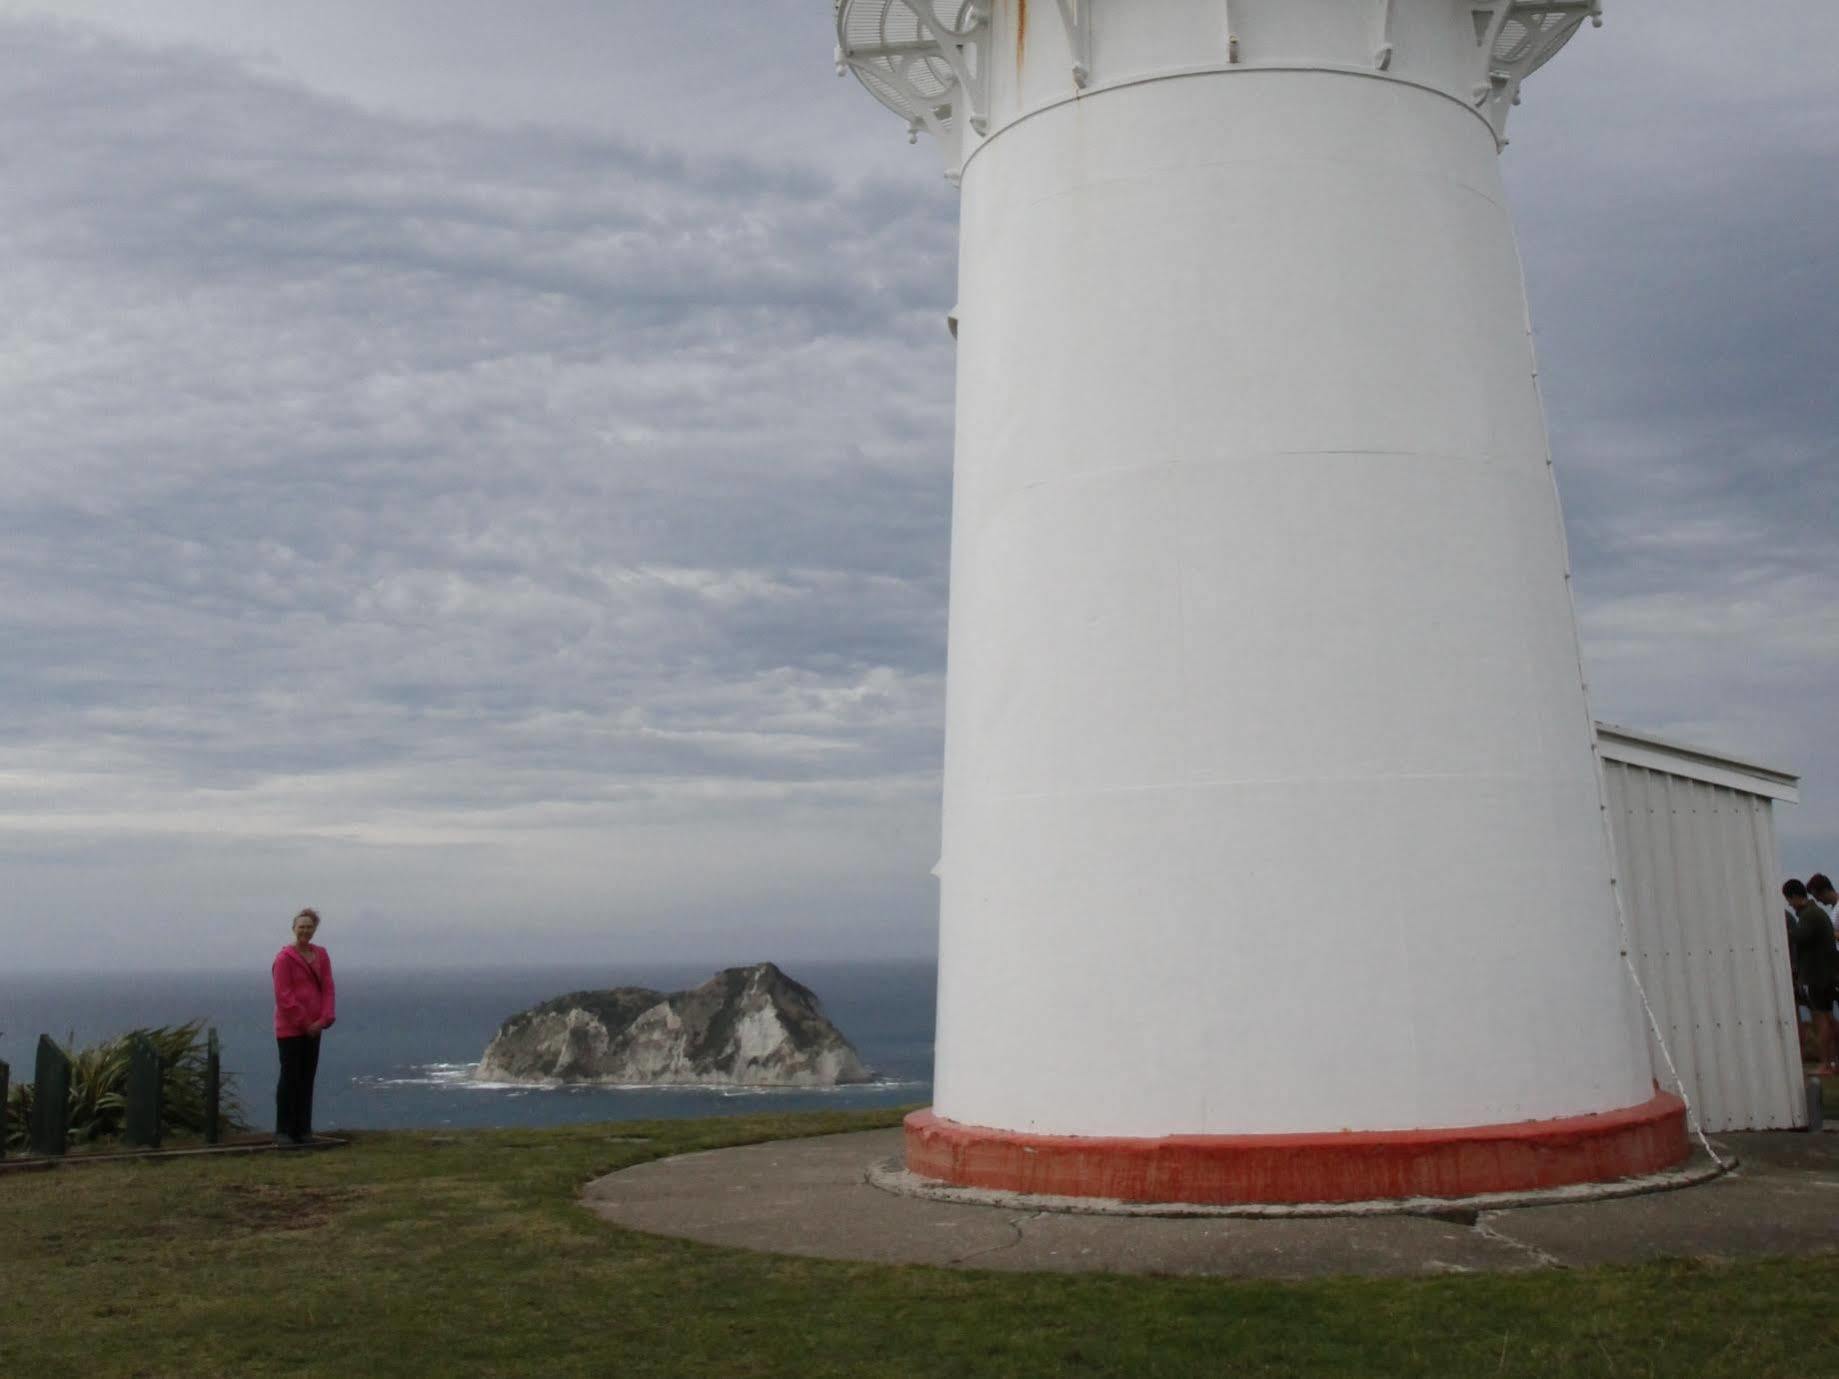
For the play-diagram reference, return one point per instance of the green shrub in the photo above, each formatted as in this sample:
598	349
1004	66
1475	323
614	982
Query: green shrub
18	1116
99	1080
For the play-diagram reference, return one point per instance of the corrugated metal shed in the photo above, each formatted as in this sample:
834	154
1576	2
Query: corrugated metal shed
1700	880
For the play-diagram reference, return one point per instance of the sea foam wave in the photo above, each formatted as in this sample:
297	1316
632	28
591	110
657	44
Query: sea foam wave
459	1077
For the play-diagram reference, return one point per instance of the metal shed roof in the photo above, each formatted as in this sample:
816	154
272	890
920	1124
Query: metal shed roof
1625	745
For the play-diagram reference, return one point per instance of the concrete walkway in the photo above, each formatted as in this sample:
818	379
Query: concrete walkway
813	1197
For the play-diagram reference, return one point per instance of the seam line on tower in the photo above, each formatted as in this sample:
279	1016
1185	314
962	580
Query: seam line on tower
1222	69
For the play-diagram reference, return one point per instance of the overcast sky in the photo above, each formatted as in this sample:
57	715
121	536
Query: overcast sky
484	469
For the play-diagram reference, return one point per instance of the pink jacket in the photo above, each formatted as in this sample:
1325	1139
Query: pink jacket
303	995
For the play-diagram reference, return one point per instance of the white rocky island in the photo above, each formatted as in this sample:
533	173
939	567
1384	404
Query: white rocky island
744	1027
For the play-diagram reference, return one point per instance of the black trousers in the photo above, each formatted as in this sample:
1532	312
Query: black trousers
294	1092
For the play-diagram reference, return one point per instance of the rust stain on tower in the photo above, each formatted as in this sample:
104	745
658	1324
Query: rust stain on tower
1021	34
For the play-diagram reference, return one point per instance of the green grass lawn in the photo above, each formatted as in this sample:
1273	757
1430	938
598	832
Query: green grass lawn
466	1254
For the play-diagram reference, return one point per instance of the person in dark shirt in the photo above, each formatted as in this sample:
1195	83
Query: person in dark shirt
1817	957
1797	991
1820	887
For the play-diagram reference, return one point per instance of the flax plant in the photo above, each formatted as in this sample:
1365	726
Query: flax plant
98	1087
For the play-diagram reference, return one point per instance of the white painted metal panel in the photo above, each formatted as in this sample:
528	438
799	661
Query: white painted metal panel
1270	799
1699	876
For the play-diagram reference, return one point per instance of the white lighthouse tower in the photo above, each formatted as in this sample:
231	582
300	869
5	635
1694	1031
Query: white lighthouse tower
1274	865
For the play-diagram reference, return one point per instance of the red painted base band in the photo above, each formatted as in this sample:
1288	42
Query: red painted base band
1350	1166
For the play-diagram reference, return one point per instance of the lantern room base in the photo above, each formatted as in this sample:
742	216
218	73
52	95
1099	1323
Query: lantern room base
1348	1166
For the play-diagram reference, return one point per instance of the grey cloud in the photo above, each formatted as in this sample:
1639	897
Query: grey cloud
404	482
1677	199
473	520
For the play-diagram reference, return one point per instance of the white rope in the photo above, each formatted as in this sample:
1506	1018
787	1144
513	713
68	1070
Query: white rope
1615	891
1679	1086
1602	788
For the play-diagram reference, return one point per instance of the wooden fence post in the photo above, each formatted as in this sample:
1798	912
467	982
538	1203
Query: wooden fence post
213	1087
5	1074
50	1099
141	1115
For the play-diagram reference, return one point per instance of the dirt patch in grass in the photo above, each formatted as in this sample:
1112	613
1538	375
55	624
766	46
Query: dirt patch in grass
271	1207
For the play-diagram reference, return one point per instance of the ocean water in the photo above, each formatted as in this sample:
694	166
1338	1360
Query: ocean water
405	1043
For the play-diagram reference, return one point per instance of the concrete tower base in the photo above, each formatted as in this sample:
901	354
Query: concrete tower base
1350	1166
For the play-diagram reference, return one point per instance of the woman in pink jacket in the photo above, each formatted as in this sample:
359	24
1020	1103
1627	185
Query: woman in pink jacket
304	1007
